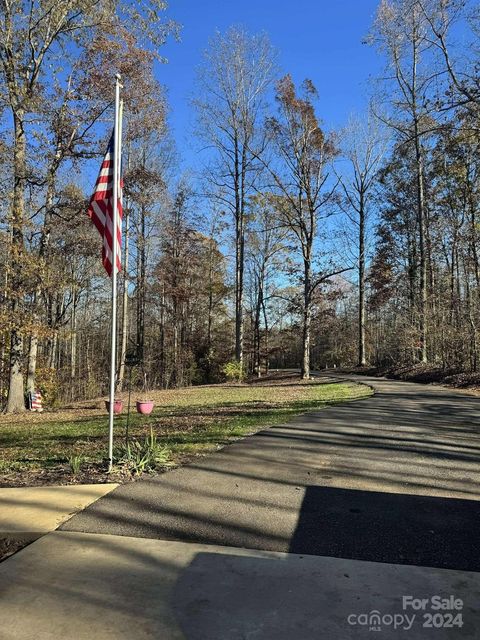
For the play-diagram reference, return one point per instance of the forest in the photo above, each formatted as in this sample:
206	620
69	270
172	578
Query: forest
295	246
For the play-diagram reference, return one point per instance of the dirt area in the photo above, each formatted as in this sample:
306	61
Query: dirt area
9	546
61	475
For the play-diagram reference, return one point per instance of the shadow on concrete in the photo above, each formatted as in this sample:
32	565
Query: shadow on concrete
124	588
389	527
219	596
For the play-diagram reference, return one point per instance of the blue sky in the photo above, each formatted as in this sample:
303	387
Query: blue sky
318	40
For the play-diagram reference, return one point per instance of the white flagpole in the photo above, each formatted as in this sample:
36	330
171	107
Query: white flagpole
116	175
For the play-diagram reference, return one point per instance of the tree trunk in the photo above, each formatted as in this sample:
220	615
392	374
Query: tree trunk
362	361
73	347
422	248
473	239
421	208
265	321
43	255
162	340
16	398
257	368
175	344
239	303
141	288
32	363
3	348
53	351
307	319
239	255
210	318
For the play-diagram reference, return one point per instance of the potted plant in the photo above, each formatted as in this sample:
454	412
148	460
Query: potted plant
117	405
145	407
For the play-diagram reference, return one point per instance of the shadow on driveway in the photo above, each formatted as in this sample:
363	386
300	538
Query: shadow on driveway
389	527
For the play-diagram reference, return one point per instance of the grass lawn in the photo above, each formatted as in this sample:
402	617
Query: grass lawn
36	448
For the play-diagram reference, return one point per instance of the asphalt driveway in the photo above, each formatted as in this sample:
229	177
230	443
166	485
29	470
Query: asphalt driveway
392	478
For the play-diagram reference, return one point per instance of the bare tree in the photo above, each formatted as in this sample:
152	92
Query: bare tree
442	16
301	180
265	253
364	146
401	32
237	71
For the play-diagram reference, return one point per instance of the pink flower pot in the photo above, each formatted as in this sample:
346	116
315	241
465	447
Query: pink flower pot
145	407
117	406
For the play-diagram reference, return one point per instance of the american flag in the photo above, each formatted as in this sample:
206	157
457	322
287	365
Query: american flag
100	210
36	401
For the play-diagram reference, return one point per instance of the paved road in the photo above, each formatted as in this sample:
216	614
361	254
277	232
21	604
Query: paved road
392	478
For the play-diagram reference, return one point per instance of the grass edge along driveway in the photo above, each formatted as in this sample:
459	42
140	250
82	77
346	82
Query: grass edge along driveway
189	422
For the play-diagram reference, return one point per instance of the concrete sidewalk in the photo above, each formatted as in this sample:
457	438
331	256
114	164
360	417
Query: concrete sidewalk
37	510
27	513
91	586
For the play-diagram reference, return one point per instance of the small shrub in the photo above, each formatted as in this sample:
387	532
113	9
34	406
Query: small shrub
233	371
75	463
138	456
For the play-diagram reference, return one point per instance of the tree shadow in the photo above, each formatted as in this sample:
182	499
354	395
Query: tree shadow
389	527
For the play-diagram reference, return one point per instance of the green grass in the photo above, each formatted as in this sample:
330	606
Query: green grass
188	422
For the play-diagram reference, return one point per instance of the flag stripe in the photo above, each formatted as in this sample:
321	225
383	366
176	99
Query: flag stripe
100	210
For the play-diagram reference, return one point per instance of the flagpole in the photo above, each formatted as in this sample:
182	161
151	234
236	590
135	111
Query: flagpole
116	176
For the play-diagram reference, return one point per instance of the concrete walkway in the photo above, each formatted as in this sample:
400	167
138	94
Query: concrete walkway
96	587
27	513
374	501
36	510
